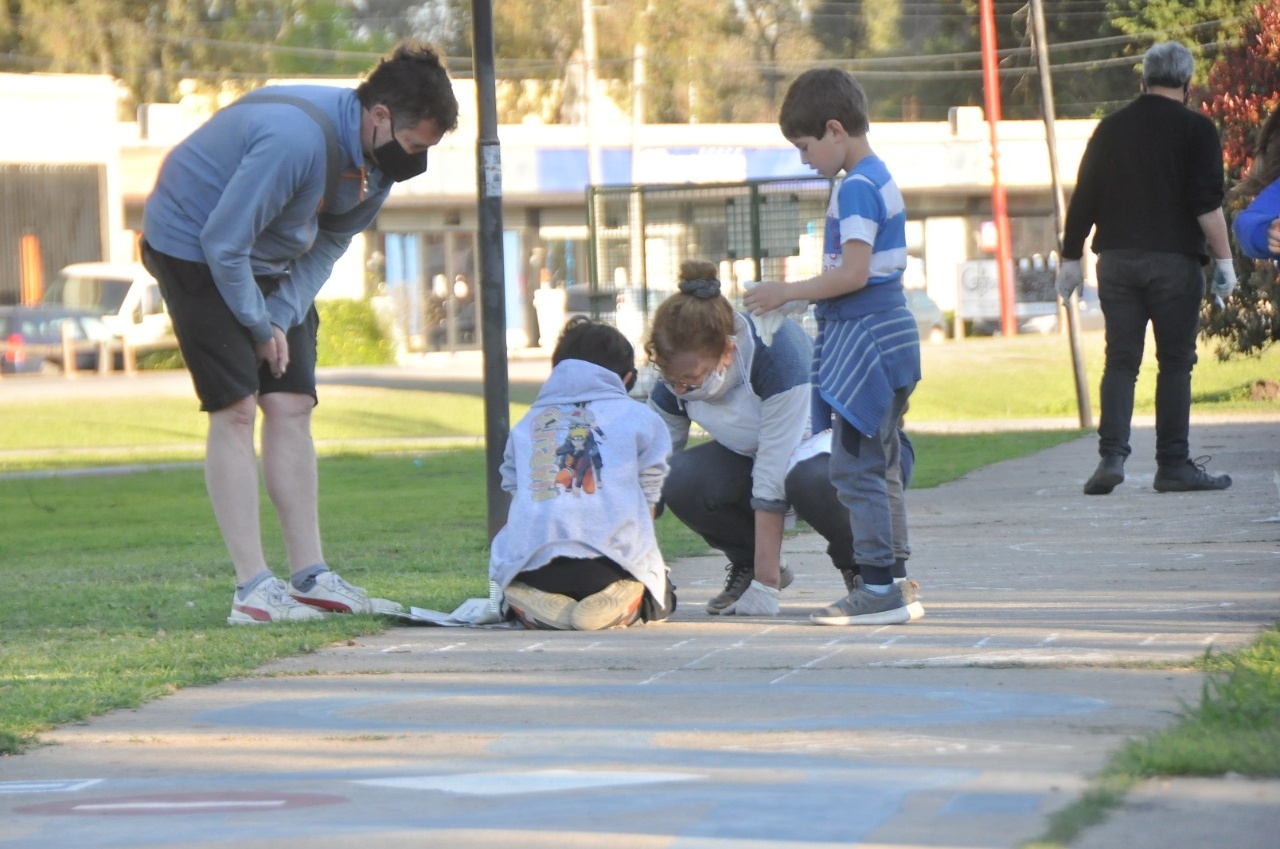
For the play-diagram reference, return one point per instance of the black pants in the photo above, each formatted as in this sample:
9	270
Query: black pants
580	577
1165	289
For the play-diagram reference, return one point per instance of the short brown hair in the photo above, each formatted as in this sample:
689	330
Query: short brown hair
414	85
821	95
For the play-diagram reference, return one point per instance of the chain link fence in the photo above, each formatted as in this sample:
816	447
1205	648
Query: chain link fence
755	230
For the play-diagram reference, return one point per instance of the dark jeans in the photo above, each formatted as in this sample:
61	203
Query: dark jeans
709	489
580	577
1165	289
811	493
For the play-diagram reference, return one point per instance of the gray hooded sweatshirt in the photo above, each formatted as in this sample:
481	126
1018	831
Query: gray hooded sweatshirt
584	466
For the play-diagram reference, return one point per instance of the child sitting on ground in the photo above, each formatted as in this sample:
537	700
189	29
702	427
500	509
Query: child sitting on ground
585	468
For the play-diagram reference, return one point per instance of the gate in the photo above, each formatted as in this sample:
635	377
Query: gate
756	230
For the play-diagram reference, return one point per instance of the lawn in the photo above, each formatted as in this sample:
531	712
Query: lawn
978	380
1031	376
406	518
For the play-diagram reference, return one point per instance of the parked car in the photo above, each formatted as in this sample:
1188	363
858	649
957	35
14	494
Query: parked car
930	320
1090	315
124	294
31	338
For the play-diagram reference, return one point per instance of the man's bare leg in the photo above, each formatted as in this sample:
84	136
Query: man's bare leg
289	467
231	478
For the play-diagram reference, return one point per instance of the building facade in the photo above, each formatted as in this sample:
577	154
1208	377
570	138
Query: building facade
421	256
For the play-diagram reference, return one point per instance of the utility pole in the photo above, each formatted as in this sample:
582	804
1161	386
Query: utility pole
1059	206
589	91
493	296
635	214
999	198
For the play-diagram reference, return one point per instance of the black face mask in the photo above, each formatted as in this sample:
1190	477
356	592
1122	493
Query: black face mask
396	162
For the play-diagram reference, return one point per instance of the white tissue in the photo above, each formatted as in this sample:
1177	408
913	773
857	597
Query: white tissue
768	323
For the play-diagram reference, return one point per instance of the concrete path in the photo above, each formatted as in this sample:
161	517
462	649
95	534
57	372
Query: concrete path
1058	627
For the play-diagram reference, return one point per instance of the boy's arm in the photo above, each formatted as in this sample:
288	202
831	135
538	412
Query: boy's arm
849	276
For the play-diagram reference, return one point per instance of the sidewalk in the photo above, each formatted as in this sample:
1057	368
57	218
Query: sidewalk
1058	627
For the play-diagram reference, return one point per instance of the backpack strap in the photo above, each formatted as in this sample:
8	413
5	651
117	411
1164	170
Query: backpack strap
333	157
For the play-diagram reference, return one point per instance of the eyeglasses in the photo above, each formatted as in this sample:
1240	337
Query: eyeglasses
682	386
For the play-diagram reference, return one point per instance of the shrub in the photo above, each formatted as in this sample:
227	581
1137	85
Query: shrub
350	335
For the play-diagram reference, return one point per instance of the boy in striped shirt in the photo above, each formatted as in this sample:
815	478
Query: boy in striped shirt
867	357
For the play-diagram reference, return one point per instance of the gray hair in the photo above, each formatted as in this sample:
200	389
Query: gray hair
1168	64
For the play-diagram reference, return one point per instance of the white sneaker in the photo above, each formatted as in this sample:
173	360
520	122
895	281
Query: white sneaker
269	602
332	593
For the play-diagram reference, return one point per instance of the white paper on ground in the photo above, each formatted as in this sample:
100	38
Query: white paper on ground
473	611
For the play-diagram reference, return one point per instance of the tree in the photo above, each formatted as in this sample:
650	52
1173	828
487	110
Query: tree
153	47
1243	89
1205	26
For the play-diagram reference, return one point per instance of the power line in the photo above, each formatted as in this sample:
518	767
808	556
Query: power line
880	67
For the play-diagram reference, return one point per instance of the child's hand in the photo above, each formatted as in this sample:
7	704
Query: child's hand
1273	237
765	296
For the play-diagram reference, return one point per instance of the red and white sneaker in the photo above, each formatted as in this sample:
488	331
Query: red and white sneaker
332	593
269	602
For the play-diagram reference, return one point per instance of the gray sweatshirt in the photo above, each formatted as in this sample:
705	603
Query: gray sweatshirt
584	466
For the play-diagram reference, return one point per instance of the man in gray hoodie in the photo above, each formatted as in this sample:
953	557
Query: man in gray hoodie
248	216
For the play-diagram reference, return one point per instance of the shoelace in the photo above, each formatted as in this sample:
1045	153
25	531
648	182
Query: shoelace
337	582
736	575
278	593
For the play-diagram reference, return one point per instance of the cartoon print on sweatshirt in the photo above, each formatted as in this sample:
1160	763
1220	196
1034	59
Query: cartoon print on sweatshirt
566	452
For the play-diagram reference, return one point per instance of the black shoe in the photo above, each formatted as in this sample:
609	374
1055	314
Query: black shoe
1189	476
737	581
1108	475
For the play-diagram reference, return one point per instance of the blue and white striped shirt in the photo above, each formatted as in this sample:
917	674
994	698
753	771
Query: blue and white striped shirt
868	345
866	206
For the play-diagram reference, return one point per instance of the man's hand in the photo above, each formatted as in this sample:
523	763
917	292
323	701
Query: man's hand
1224	278
1273	237
763	297
1070	279
275	352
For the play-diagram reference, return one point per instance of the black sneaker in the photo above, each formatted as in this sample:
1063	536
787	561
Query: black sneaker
1108	475
737	581
1189	476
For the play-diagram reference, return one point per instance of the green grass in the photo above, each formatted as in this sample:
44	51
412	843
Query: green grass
1234	728
119	584
1032	377
68	433
980	379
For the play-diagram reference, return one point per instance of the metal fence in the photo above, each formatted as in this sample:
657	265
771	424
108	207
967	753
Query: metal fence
755	230
50	216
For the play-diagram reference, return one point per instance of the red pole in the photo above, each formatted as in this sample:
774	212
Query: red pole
999	200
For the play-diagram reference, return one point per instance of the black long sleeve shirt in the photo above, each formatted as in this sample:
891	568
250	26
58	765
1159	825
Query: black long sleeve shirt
1149	171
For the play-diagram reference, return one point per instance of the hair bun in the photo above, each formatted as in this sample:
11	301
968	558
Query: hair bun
702	288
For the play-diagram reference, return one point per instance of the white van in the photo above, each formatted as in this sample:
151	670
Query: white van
124	294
